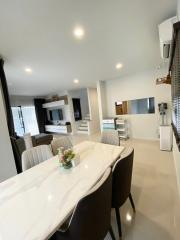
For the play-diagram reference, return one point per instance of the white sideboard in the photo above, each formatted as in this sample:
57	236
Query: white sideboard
165	138
58	128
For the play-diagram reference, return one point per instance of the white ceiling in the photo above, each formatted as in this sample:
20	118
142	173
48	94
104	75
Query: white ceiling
38	34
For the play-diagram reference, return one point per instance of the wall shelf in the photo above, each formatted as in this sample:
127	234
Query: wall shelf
54	104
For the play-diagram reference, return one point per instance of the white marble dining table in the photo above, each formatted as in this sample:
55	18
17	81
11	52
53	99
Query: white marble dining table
35	203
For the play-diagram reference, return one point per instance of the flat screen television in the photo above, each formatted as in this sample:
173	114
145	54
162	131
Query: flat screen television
56	115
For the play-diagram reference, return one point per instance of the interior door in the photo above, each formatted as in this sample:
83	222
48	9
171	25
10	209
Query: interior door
77	109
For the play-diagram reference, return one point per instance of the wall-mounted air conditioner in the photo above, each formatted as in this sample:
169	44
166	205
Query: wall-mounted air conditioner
165	36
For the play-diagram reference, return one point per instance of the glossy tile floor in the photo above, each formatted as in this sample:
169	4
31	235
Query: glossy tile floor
155	194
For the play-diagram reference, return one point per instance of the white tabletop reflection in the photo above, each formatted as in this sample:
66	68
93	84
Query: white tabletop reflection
35	203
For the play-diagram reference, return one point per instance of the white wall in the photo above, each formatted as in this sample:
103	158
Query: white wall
102	102
21	101
142	85
7	163
93	110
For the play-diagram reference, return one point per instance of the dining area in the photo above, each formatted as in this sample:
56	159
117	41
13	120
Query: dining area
51	201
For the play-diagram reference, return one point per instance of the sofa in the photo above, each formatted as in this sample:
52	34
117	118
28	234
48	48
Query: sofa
19	146
42	139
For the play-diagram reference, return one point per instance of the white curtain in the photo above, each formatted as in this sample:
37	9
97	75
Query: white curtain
25	120
30	121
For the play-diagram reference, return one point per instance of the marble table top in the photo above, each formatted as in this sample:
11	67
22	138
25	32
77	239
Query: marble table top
34	204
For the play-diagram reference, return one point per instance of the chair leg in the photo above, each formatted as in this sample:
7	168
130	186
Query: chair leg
118	218
132	203
112	233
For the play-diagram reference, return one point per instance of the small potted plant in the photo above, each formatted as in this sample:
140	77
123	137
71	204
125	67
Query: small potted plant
66	157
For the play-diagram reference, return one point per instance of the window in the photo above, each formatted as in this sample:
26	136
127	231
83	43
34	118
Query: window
25	120
175	74
137	106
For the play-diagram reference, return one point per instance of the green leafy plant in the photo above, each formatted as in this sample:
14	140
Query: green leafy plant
65	157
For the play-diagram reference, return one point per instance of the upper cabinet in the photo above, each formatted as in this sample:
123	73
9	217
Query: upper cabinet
61	101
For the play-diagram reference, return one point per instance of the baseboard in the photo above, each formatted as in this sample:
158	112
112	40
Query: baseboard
146	139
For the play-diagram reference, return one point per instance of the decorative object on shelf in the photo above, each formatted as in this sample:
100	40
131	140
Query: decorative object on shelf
48	100
164	80
66	157
56	101
55	98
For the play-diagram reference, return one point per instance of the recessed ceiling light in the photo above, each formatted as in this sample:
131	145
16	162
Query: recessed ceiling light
76	80
128	217
79	32
28	70
119	65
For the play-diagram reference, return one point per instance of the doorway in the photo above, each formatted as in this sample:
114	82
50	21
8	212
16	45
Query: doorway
77	109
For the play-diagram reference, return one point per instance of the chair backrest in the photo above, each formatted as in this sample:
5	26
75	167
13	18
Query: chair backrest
60	142
18	148
92	215
34	156
122	176
110	137
28	140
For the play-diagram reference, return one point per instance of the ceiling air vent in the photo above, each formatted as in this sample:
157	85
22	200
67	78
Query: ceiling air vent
166	50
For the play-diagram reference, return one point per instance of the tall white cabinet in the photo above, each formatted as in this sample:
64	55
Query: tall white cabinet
165	138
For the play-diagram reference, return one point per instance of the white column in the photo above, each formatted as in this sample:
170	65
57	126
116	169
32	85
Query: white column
7	163
102	101
93	110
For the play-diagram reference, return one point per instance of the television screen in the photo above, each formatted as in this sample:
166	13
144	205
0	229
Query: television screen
56	115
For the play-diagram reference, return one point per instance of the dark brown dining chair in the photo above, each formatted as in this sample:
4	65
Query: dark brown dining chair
121	189
18	148
91	219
